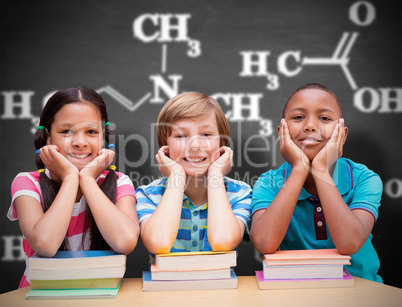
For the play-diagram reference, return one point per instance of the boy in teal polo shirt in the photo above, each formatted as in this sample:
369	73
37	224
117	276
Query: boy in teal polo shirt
317	200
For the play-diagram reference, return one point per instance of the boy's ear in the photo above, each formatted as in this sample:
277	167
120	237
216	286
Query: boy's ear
346	134
166	151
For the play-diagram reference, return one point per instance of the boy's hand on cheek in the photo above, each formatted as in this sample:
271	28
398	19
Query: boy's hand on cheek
223	164
166	165
98	165
289	150
56	163
332	151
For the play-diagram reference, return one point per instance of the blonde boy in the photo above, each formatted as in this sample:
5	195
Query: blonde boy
194	207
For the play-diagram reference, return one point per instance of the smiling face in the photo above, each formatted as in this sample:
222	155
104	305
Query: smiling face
77	131
194	144
311	116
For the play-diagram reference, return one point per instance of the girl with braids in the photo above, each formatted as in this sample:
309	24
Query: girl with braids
76	200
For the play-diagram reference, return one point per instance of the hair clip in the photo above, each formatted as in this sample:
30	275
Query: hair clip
42	170
37	151
112	167
111	145
41	128
107	123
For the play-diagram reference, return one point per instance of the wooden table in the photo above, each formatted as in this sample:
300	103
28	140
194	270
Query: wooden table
365	293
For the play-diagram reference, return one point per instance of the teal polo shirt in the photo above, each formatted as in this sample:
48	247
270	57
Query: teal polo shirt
359	187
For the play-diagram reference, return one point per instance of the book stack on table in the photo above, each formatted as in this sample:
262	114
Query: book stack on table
76	274
295	269
191	271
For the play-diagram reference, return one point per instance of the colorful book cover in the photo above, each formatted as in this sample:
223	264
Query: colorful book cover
275	284
57	294
202	253
75	283
80	254
308	256
189	274
181	285
66	260
87	273
196	260
302	271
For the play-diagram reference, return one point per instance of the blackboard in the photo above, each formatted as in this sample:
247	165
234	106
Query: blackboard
250	55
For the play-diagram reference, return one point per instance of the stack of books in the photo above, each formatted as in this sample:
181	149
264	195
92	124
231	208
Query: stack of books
191	271
76	274
295	269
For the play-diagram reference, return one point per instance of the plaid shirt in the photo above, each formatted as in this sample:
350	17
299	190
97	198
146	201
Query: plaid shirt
192	234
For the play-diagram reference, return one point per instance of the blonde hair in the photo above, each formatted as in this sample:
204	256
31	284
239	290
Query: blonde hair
190	105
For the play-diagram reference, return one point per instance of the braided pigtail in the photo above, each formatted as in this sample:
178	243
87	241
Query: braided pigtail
108	186
49	187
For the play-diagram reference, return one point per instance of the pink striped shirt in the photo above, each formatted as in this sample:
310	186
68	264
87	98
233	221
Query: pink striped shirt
27	184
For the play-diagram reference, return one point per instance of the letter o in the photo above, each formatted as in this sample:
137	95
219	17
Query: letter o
369	10
374	103
393	188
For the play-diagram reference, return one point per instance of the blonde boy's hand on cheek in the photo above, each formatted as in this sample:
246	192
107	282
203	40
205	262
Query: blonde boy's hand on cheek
223	162
98	165
167	166
289	150
332	151
56	163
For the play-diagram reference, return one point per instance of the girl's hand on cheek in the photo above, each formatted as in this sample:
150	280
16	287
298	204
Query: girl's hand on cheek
56	163
98	165
223	164
166	165
289	150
